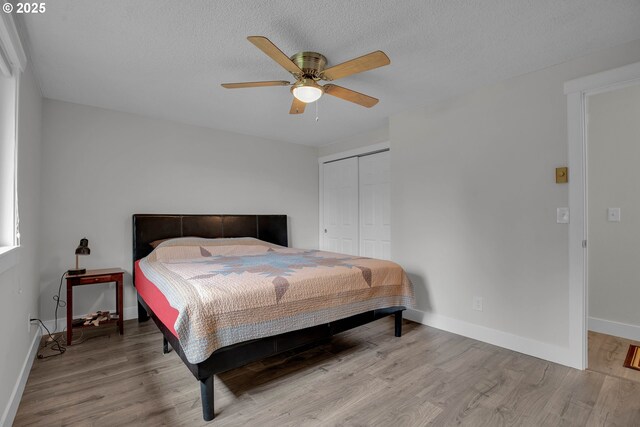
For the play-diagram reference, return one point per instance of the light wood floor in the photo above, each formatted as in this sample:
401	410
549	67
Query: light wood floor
607	354
362	377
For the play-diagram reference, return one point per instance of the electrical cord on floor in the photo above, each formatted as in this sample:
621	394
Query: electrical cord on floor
59	303
53	343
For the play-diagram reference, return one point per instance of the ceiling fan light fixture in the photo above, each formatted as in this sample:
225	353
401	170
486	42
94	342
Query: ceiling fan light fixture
307	90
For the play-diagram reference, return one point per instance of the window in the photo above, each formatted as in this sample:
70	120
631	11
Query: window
7	159
12	62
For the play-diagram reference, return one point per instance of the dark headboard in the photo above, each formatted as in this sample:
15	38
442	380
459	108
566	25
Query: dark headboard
151	227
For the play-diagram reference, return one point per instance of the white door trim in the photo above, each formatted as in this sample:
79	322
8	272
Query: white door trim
577	92
361	151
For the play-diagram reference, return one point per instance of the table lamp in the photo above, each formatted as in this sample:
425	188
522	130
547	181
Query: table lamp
82	249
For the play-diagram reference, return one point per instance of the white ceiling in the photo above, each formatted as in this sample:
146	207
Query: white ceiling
167	58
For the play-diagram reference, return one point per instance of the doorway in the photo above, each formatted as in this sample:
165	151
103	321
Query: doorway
613	227
578	92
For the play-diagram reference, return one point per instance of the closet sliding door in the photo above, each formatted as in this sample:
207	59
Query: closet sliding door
340	206
375	205
356	206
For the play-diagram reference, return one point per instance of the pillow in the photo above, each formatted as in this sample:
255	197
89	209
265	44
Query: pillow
188	248
155	243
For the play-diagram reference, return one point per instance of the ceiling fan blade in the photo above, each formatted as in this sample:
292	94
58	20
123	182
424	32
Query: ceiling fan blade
265	45
297	106
255	84
358	65
350	95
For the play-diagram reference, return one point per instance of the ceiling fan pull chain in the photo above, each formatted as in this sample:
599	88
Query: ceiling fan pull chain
317	102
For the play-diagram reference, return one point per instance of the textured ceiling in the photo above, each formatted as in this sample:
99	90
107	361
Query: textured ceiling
167	58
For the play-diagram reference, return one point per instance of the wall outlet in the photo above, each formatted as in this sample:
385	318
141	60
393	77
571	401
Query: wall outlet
477	303
613	214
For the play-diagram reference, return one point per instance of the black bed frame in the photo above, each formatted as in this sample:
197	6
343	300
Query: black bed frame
271	228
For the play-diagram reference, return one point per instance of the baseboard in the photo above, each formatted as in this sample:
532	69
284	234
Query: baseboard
617	329
546	351
16	394
129	313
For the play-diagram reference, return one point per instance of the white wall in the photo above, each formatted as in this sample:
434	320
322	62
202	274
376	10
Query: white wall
19	286
614	258
102	166
474	207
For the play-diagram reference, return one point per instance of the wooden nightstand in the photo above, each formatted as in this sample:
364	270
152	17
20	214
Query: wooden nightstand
92	277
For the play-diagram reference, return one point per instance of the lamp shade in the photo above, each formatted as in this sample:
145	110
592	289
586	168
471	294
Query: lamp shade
307	90
83	247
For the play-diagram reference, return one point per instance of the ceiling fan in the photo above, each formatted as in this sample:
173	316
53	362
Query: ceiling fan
308	68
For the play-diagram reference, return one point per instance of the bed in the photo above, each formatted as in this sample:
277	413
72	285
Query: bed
228	247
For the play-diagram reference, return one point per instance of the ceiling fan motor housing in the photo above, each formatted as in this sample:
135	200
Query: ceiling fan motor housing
311	63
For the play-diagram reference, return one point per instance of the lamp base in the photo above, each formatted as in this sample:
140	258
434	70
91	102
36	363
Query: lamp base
77	271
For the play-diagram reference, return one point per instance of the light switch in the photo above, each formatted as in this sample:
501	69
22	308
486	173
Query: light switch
613	214
562	216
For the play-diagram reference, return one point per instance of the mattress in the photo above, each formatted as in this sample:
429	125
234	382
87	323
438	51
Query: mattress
156	300
217	292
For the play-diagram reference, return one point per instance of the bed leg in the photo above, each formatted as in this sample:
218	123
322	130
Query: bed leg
206	395
165	346
143	316
398	323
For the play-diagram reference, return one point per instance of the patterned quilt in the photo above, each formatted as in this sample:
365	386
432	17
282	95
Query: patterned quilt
232	290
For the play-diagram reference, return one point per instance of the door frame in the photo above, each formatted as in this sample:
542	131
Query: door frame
577	92
356	152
